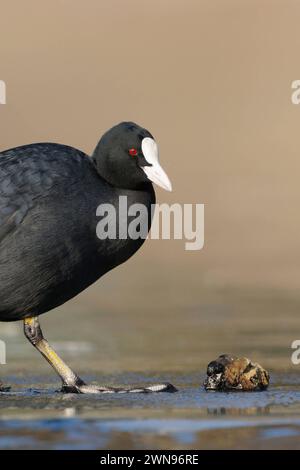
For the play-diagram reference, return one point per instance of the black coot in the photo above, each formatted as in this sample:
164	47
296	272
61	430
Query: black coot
49	249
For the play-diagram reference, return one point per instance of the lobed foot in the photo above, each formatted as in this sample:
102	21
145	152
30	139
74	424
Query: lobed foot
158	388
72	383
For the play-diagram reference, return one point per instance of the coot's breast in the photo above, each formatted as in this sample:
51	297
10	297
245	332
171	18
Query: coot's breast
49	250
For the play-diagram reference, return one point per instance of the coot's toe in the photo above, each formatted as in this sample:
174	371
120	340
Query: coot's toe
97	389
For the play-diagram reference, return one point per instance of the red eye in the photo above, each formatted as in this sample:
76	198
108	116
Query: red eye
133	152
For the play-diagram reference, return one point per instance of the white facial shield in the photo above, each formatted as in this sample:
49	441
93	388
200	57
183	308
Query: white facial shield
154	173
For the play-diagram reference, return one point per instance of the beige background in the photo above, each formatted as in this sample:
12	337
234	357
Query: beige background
211	79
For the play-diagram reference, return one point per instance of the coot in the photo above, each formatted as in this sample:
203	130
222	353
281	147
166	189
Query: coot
49	249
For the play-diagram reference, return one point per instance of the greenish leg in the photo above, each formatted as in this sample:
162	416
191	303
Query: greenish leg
71	382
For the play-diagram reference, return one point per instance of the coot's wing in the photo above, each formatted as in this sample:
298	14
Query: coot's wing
29	172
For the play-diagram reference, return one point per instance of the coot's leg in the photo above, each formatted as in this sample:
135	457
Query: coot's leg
33	332
71	382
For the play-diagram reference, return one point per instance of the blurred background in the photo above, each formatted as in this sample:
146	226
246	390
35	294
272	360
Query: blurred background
211	79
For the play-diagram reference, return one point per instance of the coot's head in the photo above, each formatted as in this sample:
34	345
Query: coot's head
127	157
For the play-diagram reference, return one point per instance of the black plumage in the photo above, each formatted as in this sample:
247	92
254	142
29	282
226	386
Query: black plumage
49	193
